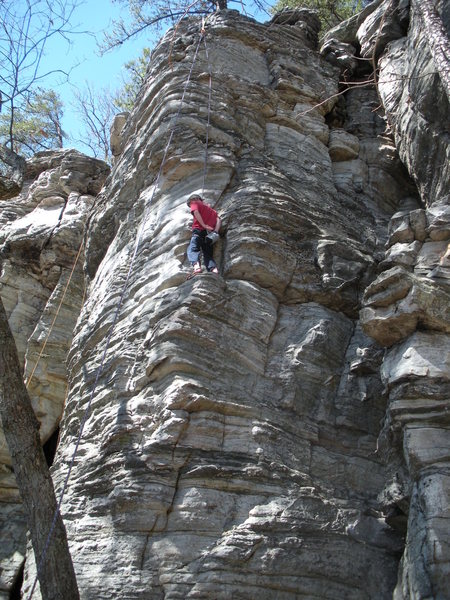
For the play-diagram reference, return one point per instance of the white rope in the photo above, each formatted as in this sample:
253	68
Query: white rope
111	329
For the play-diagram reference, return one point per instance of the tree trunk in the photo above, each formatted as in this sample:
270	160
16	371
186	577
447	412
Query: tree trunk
438	41
56	574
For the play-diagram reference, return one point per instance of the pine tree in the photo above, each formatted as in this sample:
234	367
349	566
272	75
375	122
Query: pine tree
36	124
330	12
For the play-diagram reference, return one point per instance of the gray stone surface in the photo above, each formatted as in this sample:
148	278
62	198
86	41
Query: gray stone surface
233	430
42	288
407	308
279	430
117	126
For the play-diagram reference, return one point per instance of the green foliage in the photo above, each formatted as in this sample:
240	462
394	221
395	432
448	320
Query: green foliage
37	123
25	29
331	12
125	97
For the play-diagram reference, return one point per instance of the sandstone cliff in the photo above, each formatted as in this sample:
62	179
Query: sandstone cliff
279	430
42	289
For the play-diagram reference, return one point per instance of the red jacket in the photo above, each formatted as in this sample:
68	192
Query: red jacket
207	213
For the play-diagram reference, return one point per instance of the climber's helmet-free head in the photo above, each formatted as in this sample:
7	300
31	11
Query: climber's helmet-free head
192	198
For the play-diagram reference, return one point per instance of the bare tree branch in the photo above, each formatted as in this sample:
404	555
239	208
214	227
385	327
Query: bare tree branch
96	110
26	28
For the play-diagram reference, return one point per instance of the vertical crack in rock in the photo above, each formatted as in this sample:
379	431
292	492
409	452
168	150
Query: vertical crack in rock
176	488
58	224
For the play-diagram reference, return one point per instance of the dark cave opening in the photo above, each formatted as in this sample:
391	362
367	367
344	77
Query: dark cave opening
50	447
15	591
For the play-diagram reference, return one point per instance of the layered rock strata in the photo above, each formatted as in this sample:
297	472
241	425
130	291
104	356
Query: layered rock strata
248	434
406	308
230	449
42	288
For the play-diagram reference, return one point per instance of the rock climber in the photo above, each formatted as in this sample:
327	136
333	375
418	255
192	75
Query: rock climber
205	231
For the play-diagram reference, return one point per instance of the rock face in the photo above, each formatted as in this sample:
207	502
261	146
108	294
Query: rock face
407	309
248	434
42	288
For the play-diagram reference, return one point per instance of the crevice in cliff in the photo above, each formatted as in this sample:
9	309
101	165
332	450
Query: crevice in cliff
344	372
228	190
176	487
397	519
58	224
271	336
144	549
50	447
423	550
15	592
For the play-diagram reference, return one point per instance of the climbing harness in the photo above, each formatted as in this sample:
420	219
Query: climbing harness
100	368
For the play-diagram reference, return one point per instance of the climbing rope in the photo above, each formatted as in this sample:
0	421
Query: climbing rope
100	368
30	377
205	164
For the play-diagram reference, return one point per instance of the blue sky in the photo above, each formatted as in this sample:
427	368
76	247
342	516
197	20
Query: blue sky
84	62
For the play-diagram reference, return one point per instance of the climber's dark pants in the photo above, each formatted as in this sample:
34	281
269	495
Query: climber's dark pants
200	243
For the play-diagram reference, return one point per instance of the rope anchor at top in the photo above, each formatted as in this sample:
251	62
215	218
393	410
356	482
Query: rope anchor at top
205	165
